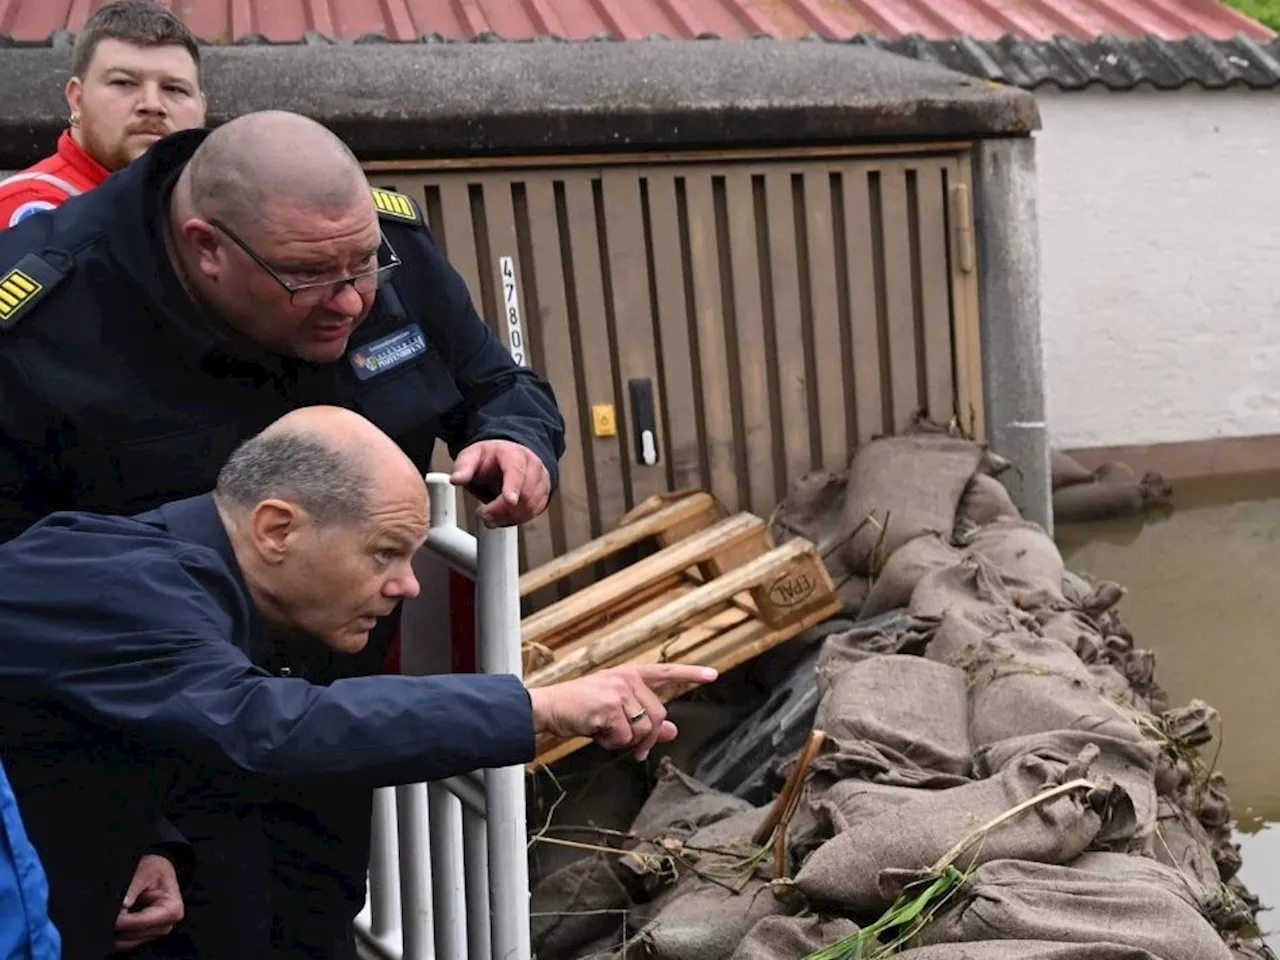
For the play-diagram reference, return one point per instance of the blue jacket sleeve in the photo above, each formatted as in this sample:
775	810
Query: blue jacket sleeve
152	656
501	400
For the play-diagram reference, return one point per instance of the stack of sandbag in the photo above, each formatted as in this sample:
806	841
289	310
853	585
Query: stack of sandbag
1112	490
1003	733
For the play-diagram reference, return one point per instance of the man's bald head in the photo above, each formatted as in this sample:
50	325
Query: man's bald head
271	157
331	462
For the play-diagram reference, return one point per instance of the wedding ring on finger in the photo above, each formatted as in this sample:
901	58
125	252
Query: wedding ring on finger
638	716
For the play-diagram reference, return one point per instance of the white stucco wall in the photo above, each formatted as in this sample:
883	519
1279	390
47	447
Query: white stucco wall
1160	232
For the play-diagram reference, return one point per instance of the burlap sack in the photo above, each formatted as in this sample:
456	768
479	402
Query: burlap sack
700	918
1180	841
1075	629
1129	764
911	705
1027	950
901	487
791	938
972	584
1029	562
576	906
820	816
705	921
1101	898
1066	471
985	500
677	808
893	585
814	510
860	869
865	641
1023	684
863	760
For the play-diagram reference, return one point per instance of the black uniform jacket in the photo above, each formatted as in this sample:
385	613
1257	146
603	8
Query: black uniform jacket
124	666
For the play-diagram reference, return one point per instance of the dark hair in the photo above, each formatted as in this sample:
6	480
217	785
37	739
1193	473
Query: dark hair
301	469
141	22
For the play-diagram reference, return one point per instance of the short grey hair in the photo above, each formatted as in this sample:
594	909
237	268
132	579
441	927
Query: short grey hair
287	465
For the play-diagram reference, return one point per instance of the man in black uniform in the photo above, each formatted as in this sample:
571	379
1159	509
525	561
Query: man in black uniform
223	279
125	642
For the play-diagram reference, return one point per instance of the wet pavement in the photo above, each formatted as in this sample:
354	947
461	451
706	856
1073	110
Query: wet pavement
1202	593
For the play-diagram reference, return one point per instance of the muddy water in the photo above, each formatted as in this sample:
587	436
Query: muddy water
1203	582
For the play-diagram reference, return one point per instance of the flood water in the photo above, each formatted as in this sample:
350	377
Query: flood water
1203	594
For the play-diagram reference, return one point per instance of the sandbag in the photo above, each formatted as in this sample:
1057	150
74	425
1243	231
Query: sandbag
861	869
699	919
865	641
972	584
900	488
576	906
1023	684
893	585
1180	841
814	510
677	808
820	816
1129	764
862	760
1027	558
985	500
1027	950
704	921
1101	898
791	938
1066	471
911	705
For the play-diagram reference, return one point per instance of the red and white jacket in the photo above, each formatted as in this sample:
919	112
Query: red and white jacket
50	183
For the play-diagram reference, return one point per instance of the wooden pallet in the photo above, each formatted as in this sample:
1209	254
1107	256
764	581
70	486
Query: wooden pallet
713	592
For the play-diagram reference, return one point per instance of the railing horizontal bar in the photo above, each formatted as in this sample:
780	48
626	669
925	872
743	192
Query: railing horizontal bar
456	547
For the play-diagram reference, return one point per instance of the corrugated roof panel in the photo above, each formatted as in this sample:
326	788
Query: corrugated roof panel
284	21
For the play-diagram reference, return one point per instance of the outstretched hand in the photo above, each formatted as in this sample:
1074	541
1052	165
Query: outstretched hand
616	707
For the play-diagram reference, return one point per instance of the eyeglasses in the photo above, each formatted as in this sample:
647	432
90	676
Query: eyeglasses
312	294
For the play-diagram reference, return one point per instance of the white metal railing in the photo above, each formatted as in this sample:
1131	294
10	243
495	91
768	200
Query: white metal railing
448	874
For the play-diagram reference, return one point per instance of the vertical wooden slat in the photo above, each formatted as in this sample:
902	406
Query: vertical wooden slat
753	362
865	332
597	366
570	508
828	364
458	238
681	442
500	219
633	317
935	305
899	299
787	321
713	357
970	402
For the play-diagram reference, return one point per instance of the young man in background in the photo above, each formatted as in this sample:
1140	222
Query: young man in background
135	78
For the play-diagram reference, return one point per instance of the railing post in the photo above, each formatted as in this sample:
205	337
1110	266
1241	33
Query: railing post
415	871
498	637
384	873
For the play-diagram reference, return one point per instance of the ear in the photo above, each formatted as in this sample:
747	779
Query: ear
274	527
75	92
210	252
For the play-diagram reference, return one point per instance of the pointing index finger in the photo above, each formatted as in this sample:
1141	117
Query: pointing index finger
662	674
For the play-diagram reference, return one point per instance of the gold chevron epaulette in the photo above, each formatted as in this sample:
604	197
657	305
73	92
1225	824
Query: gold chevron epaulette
396	206
24	286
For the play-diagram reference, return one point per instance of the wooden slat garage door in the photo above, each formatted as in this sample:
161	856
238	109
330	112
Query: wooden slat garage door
782	311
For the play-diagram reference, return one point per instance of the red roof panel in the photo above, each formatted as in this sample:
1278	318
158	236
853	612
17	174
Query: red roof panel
289	20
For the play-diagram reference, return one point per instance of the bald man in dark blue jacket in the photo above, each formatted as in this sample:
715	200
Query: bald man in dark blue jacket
127	670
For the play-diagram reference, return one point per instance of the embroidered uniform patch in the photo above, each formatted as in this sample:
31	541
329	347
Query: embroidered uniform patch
396	206
389	352
22	287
